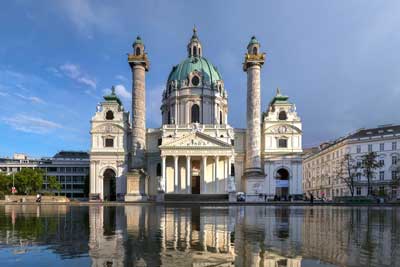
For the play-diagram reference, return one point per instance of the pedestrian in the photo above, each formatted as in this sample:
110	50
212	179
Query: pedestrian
311	198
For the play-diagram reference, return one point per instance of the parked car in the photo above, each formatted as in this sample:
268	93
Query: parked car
240	196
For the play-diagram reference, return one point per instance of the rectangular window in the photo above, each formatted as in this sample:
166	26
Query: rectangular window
394	175
370	148
394	160
394	145
109	142
282	143
381	162
358	149
381	175
358	176
358	164
382	146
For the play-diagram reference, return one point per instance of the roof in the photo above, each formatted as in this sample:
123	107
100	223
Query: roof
112	96
138	41
279	98
360	133
253	40
181	71
72	154
378	131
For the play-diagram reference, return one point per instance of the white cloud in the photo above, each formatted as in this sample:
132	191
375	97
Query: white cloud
89	17
30	124
33	99
121	78
120	91
3	93
74	72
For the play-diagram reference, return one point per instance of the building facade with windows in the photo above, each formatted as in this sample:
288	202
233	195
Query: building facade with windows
320	168
195	151
71	168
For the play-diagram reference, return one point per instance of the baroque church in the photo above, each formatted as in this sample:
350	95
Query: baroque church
195	154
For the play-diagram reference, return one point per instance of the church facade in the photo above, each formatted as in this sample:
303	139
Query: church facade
195	151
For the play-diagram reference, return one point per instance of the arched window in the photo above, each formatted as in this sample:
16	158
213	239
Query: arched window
282	115
282	174
137	51
109	115
158	169
195	51
169	89
254	50
232	169
195	113
220	117
169	117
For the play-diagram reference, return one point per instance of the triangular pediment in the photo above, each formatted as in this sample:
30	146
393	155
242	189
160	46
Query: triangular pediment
196	140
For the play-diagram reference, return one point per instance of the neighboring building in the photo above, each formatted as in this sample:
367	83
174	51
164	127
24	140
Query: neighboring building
196	150
319	168
282	153
70	167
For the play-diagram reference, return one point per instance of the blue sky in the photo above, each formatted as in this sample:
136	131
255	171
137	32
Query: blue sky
339	61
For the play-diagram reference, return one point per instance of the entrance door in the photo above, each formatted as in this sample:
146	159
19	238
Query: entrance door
109	186
195	184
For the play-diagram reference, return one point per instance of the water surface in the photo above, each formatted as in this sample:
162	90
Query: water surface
146	235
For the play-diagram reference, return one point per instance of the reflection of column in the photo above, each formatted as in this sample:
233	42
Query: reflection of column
164	178
188	170
204	172
176	174
216	175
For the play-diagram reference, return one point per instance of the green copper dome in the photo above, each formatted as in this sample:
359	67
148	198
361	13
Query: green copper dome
181	71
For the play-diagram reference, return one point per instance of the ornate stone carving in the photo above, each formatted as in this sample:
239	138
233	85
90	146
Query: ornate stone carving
231	184
161	184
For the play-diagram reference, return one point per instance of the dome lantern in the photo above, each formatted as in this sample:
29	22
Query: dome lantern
253	47
194	46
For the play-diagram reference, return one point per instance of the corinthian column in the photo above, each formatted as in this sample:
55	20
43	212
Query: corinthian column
252	65
136	178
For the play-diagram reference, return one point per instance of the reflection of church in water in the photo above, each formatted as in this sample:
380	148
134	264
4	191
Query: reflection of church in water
138	236
195	151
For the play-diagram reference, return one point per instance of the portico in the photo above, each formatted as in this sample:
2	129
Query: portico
195	164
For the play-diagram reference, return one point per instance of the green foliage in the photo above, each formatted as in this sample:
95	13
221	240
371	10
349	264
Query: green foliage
29	181
5	183
370	164
53	184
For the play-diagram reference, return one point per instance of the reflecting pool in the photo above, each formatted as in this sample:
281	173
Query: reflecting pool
147	235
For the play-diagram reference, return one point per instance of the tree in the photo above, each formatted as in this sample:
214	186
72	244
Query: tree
29	181
369	165
347	172
53	184
5	183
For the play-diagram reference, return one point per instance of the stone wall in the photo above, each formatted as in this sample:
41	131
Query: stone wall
32	199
